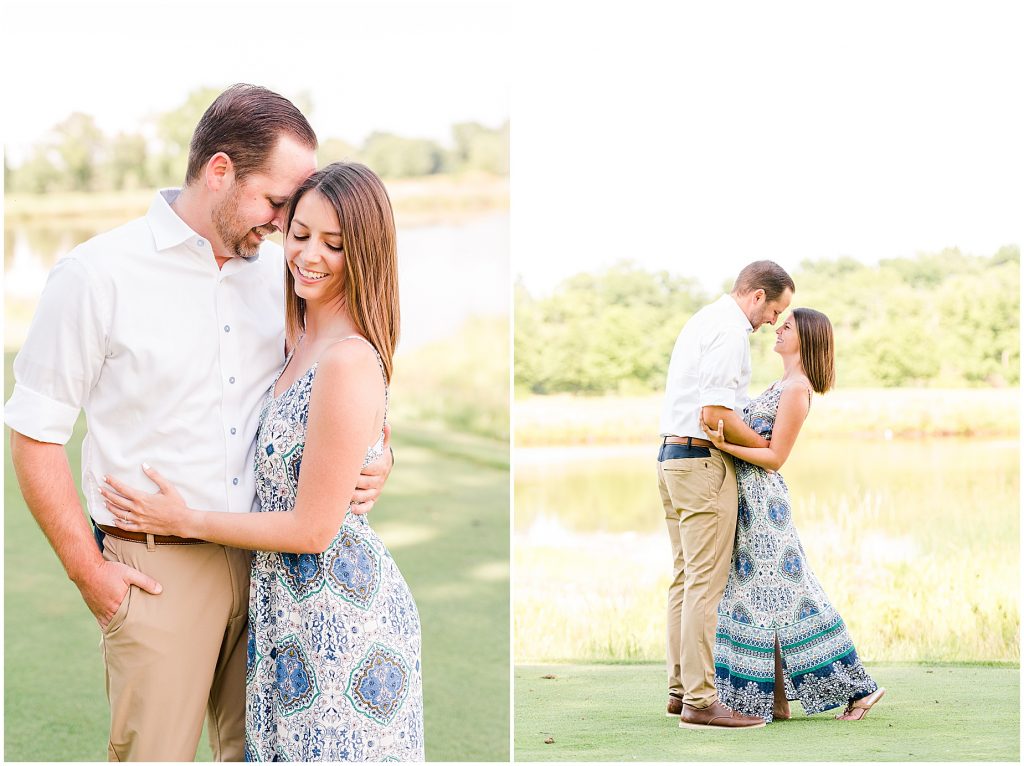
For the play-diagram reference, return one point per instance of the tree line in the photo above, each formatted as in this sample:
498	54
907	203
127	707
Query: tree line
78	156
942	319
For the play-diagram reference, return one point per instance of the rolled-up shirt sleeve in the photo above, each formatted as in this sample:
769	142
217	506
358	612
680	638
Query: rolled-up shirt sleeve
62	356
720	368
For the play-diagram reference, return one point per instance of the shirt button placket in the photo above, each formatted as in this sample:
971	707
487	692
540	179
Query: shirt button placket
229	360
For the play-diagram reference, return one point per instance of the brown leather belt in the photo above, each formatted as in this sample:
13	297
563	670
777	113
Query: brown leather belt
689	441
142	537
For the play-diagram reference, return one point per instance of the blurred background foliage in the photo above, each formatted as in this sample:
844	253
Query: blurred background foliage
942	320
77	156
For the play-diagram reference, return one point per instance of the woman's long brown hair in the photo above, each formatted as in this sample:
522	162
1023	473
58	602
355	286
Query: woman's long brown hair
369	245
817	348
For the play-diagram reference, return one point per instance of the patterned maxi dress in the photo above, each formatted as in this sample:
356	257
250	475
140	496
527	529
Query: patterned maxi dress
773	592
334	638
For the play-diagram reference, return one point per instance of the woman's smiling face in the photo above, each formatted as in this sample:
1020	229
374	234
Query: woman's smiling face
314	249
787	338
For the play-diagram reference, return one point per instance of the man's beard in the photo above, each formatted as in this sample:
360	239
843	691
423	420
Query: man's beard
760	318
225	221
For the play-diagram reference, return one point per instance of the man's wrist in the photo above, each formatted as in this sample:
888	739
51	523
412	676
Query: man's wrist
80	573
192	526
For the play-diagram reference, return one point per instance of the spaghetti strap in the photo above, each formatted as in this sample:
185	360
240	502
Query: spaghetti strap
287	361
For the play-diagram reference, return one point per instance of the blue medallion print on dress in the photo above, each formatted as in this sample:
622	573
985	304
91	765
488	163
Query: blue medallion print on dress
301	573
762	426
353	570
379	684
295	685
806	608
792	565
741	615
744	565
778	512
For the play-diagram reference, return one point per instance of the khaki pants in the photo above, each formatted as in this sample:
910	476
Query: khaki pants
173	658
699	496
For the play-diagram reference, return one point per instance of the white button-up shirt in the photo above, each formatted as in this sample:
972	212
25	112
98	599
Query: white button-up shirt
710	365
169	356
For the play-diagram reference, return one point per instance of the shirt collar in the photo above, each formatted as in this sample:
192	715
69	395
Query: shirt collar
170	231
732	308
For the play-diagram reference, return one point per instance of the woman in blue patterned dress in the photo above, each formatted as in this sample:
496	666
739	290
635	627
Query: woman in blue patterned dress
334	635
779	637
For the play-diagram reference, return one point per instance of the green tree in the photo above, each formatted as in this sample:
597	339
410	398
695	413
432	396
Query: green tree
392	156
335	150
480	148
938	319
980	315
611	331
126	166
38	174
79	144
169	159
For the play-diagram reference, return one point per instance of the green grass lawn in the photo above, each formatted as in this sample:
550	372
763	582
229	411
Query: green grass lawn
616	713
444	517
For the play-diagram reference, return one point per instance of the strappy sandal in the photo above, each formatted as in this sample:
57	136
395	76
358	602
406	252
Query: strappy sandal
857	709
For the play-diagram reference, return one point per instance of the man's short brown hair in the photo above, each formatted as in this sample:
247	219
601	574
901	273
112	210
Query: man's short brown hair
764	275
245	122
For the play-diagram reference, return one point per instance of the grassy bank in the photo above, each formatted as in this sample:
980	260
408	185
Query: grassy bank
616	713
916	543
459	383
869	413
417	201
444	517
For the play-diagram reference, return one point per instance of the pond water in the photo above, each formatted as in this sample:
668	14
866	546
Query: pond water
447	273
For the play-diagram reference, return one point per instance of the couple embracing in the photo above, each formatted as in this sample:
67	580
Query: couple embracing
749	625
206	388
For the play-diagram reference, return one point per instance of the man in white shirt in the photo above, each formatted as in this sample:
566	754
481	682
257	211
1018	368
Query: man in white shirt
168	331
708	376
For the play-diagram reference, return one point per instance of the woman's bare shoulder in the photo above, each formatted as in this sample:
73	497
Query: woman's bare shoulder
801	383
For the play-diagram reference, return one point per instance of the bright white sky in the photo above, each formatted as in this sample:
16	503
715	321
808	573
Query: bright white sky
412	68
701	138
692	137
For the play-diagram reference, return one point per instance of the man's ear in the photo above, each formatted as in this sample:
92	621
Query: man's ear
220	172
760	296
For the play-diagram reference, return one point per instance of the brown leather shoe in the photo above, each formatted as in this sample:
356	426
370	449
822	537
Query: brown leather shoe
674	707
717	716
